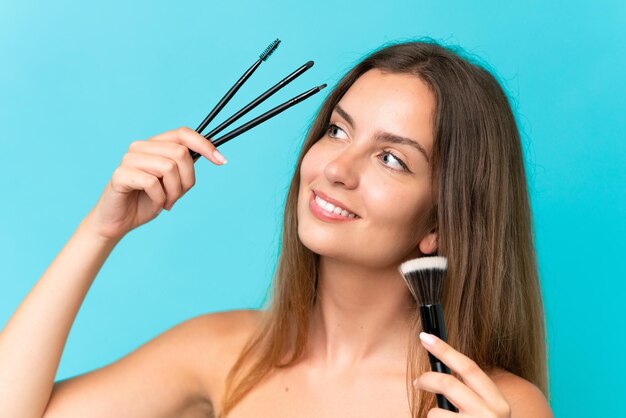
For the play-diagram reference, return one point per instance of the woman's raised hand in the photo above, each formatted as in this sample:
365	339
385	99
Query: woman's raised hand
152	176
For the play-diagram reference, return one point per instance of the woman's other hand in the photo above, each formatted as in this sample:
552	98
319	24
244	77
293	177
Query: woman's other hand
476	395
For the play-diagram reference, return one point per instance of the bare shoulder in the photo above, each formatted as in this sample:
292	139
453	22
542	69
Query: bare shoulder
225	324
220	337
525	399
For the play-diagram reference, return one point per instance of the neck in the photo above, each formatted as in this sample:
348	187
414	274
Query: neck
361	315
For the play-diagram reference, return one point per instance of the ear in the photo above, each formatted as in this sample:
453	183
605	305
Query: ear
428	244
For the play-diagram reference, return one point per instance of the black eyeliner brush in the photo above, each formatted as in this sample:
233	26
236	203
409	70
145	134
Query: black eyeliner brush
425	276
262	118
282	83
229	95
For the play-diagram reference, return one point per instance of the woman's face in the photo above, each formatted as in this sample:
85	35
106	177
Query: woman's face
361	163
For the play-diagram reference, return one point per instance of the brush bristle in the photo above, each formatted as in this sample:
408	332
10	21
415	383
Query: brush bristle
269	50
424	276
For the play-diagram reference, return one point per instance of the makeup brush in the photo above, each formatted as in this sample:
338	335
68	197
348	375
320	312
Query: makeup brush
230	93
260	119
424	276
282	83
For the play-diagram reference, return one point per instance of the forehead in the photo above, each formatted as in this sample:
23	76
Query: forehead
399	103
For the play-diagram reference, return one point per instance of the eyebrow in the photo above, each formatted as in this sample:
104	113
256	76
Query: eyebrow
385	136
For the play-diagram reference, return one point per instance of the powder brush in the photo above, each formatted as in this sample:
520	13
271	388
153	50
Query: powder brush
425	277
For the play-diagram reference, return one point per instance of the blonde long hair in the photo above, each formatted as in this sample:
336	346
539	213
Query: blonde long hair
492	300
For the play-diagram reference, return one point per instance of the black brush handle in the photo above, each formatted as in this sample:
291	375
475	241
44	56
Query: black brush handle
432	323
229	95
260	119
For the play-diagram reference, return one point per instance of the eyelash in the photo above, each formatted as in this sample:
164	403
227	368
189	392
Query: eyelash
404	167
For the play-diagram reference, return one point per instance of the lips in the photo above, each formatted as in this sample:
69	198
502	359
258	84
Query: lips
334	202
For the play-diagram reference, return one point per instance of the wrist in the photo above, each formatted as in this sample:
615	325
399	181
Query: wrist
87	229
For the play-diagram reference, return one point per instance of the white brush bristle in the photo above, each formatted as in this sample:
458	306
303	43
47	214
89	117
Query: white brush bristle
424	276
421	263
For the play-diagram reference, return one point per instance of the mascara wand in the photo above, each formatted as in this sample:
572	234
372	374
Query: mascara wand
424	276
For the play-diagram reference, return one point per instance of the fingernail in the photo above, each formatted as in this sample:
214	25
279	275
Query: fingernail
219	157
415	383
428	339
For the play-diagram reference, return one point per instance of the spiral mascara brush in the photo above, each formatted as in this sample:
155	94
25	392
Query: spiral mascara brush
425	276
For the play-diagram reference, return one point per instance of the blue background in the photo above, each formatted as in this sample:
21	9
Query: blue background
79	82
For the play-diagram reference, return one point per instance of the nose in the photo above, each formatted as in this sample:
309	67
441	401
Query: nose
344	169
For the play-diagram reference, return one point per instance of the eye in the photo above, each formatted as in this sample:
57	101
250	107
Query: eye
403	166
333	128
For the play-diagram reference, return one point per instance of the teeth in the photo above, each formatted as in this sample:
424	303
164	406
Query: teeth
332	208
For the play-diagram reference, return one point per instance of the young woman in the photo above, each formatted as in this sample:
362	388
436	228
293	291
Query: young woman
415	152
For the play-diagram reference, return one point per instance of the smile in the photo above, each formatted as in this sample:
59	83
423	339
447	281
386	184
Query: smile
328	212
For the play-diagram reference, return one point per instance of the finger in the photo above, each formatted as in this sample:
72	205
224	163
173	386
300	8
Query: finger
192	140
173	151
464	398
442	413
472	375
160	167
127	179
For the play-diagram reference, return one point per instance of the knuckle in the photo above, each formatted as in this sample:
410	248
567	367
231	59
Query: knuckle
192	183
169	166
117	173
152	181
134	145
444	349
160	200
181	152
468	368
184	130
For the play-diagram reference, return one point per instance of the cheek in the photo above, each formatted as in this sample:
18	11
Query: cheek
396	213
311	166
401	211
309	170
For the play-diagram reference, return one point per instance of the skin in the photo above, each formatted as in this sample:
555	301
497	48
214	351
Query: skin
354	363
360	327
362	319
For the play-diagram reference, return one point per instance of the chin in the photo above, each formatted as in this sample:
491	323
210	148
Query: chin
319	241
